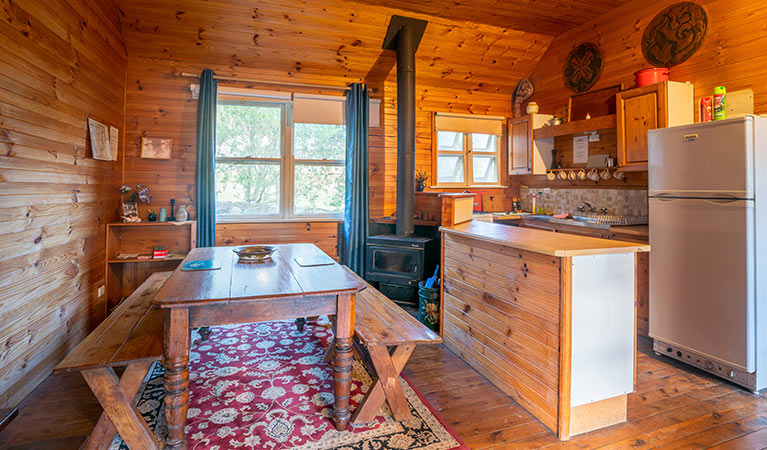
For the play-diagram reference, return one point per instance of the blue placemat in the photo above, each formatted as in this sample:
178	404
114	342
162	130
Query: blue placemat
201	264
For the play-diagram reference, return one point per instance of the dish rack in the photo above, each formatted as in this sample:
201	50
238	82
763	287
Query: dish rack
609	219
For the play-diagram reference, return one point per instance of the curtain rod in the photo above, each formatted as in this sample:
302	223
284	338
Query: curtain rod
268	83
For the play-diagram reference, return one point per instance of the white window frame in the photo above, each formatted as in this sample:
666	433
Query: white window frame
468	161
287	163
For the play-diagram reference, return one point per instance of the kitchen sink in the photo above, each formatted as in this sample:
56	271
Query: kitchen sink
609	219
571	222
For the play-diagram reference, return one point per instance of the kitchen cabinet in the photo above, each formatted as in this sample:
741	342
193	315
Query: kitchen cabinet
660	105
527	156
636	234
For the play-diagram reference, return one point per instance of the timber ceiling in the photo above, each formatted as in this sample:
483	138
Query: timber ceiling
325	38
550	17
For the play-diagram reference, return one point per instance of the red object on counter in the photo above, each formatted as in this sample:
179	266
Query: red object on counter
646	77
706	109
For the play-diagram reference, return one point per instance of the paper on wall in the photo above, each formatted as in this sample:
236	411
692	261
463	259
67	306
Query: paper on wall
113	142
580	149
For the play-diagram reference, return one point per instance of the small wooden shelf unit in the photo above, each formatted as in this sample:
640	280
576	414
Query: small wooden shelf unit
124	275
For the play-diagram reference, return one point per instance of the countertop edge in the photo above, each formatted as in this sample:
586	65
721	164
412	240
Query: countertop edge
634	248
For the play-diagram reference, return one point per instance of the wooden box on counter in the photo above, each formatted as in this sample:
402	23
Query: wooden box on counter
125	274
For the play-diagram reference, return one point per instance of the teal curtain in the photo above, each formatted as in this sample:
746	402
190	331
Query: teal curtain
356	212
206	161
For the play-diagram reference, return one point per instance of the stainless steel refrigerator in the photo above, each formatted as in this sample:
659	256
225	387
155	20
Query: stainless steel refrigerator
708	234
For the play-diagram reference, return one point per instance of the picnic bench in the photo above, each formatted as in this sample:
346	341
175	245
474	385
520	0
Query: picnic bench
130	337
385	336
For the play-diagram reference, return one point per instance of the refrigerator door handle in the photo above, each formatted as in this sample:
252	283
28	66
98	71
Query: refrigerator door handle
723	200
714	197
666	197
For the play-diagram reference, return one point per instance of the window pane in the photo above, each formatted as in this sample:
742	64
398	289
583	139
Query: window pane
248	130
319	141
247	189
319	189
450	169
485	169
484	142
448	140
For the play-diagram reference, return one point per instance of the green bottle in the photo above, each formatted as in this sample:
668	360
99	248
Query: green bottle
720	103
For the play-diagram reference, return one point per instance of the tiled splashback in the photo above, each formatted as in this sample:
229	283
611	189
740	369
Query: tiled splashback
623	202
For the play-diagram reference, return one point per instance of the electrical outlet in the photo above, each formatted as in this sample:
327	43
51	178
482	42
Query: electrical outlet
102	291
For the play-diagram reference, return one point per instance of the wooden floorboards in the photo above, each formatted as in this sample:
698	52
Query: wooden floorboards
674	407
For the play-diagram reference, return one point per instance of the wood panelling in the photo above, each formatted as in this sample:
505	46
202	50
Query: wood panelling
731	55
61	62
460	67
323	234
504	323
539	17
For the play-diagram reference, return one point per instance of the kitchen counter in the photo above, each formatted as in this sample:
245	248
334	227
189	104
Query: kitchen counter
552	244
641	231
548	318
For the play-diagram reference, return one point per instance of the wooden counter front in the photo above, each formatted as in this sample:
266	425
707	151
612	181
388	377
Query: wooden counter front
532	311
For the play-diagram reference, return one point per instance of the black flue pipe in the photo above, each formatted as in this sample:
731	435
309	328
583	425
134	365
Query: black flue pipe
405	131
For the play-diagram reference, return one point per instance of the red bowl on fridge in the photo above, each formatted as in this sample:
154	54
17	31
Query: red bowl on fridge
646	77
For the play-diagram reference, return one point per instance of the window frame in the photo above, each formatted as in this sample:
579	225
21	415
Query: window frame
287	163
468	160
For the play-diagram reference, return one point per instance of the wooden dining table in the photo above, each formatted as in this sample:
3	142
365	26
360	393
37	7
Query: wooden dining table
290	285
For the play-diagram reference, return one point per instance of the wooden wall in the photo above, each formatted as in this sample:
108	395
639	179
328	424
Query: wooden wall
322	234
61	62
732	55
461	67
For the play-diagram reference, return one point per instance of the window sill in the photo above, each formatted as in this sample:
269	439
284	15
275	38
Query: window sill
476	186
278	220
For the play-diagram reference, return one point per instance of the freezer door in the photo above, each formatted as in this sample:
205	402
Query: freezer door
703	160
702	277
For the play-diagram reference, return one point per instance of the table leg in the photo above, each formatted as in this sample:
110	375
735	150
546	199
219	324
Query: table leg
342	369
176	352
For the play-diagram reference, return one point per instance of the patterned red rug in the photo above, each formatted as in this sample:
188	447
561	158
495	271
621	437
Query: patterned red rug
265	386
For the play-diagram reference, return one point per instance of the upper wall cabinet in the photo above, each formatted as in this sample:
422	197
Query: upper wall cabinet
525	154
666	104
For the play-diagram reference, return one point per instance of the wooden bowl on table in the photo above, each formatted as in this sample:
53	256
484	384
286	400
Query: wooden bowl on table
254	253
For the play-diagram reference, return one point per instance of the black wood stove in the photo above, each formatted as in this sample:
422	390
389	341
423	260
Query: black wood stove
399	261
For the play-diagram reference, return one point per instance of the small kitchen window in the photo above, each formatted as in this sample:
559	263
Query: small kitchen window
467	150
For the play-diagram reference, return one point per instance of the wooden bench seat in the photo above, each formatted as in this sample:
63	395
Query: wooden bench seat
131	336
385	336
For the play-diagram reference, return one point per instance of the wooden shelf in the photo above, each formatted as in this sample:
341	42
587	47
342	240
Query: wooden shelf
633	168
124	275
579	126
148	260
150	224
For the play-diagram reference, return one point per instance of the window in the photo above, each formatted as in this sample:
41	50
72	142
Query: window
280	157
467	150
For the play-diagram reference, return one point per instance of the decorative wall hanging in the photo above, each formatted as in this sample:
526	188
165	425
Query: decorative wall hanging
583	67
523	91
675	34
155	148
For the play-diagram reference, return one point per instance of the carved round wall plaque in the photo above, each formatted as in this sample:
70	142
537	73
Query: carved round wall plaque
583	67
675	34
